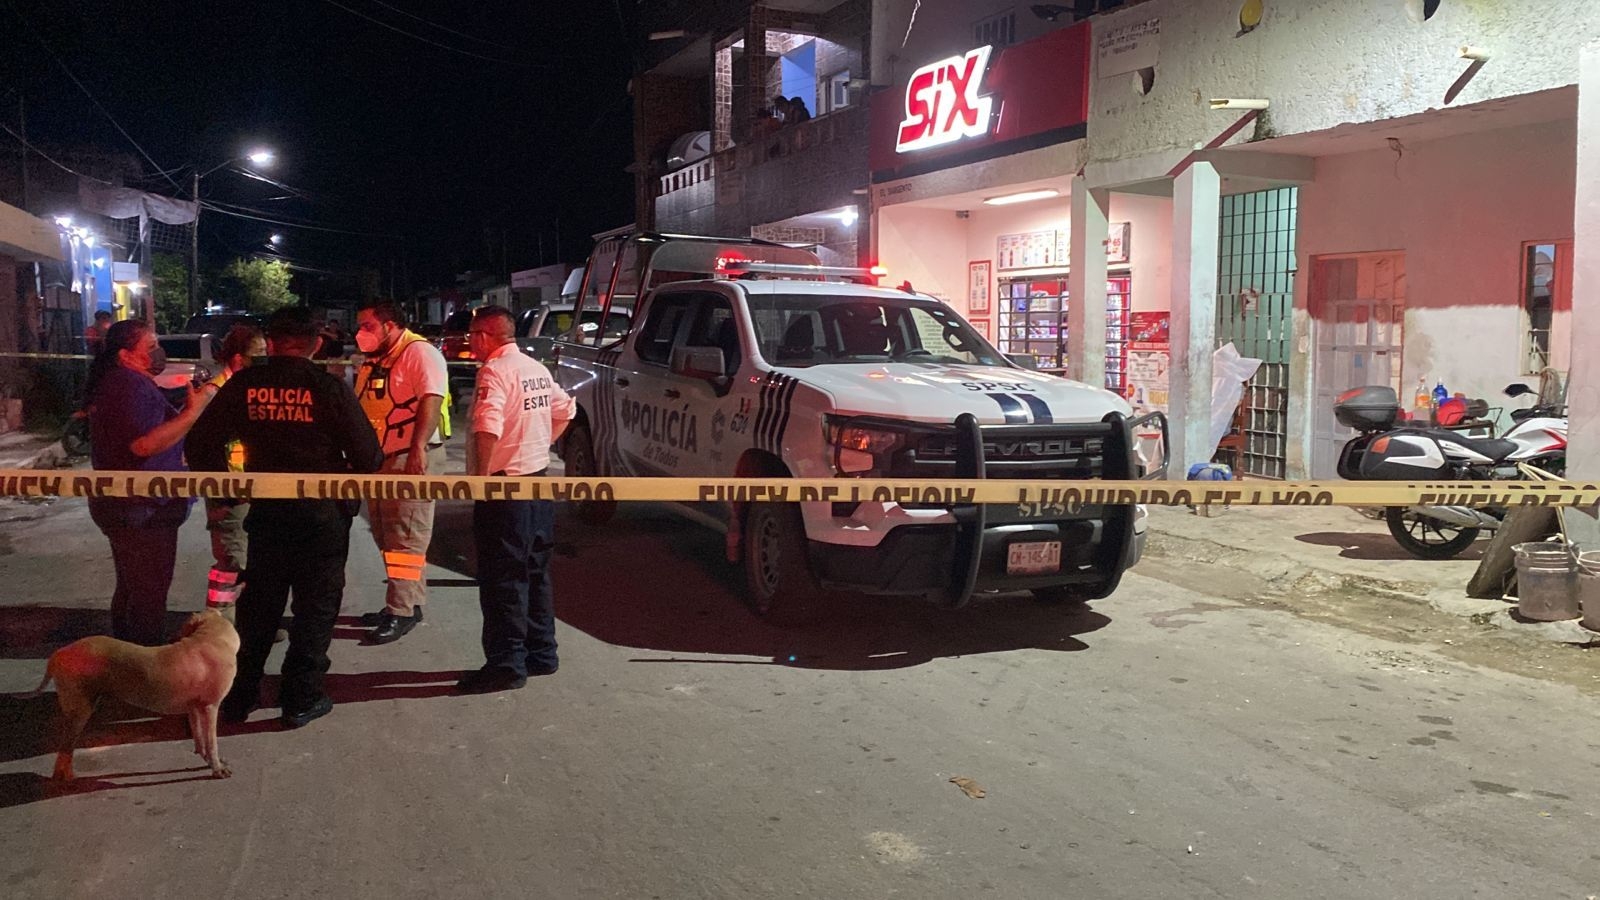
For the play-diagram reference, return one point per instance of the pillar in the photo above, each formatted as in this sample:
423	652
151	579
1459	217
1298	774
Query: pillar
1196	208
1086	285
1583	384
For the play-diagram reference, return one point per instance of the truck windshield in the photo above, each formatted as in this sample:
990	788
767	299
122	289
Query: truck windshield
815	330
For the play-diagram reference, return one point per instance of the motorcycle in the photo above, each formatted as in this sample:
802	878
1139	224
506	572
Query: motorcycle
1387	450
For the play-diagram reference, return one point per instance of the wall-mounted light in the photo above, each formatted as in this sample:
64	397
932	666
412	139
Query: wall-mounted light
670	35
1022	197
849	216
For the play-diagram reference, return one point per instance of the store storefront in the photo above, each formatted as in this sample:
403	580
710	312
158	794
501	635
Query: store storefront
974	159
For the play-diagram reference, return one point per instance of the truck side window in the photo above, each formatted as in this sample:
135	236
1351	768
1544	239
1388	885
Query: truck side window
661	326
715	326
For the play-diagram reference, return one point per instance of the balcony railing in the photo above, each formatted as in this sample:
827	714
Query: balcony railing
849	124
688	176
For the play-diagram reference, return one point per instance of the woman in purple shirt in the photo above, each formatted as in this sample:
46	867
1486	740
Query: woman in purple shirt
132	427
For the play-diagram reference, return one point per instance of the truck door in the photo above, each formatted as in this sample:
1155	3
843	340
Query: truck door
707	445
650	433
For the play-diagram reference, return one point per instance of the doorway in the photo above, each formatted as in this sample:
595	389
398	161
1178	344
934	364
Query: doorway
1357	305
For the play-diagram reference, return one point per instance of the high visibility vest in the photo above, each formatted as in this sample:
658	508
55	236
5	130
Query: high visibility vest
372	390
235	448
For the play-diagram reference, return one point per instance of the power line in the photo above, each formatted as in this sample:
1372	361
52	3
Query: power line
97	105
469	37
213	207
431	41
63	167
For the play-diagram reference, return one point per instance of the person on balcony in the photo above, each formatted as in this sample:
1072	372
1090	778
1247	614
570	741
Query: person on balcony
797	112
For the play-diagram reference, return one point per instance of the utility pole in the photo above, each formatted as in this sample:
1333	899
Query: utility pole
194	248
22	129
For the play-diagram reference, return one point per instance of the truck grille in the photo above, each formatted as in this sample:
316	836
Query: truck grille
1011	456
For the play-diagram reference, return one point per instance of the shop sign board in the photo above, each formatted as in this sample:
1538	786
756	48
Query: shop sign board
1049	249
983	104
943	103
1129	48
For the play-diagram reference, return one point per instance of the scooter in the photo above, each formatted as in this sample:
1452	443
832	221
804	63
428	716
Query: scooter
1383	452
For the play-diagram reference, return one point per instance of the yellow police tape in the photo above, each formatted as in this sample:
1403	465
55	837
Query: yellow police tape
1040	498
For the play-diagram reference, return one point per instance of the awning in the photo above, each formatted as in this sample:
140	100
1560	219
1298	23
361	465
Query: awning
27	238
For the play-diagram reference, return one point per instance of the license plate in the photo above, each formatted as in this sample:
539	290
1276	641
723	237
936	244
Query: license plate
1033	558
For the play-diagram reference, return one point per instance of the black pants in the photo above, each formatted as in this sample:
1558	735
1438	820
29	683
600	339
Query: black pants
303	555
515	539
143	558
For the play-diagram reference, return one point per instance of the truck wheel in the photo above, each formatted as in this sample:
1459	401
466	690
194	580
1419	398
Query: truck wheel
779	584
1070	595
577	453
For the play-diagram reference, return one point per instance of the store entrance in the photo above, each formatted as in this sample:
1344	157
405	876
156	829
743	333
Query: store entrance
1033	320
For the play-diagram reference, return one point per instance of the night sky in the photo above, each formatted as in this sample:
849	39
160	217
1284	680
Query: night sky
382	132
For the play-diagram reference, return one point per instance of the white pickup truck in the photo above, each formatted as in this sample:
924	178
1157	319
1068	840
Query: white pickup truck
751	359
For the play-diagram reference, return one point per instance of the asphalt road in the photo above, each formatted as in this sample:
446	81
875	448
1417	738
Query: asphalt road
1173	741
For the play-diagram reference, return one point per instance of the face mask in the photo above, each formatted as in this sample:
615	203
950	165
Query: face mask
255	361
368	341
158	361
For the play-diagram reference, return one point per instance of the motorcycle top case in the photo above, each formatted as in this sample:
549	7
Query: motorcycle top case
1371	408
1404	456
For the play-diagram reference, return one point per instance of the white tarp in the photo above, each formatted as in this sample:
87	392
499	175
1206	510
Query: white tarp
1229	372
128	203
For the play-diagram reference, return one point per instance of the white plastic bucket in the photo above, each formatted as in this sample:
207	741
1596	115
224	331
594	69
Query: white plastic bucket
1547	581
1589	588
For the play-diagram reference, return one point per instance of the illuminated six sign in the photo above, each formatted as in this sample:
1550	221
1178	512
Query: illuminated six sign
942	102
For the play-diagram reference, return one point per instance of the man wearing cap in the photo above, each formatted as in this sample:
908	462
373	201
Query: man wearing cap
291	416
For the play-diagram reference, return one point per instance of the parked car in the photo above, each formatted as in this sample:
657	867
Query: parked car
540	327
457	355
218	322
191	360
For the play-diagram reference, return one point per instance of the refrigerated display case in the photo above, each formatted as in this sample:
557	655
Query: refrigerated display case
1032	319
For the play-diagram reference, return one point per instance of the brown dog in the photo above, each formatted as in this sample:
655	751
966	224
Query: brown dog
190	675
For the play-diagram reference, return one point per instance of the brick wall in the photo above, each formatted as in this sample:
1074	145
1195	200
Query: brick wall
665	107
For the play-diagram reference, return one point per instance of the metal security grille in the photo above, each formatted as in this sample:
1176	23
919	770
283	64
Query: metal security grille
164	238
1255	296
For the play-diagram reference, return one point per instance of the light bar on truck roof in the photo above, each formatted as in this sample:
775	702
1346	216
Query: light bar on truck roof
744	267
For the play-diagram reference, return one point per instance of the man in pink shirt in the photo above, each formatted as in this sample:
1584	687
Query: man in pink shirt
517	413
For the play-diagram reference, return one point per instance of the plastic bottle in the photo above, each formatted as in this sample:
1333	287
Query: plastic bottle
1422	403
1440	395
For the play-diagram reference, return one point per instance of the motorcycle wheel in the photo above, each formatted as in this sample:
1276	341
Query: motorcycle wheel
1426	537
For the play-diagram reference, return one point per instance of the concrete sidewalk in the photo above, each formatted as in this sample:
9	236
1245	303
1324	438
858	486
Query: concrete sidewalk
1322	549
27	450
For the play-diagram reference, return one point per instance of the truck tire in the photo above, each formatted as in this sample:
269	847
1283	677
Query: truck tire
577	455
779	584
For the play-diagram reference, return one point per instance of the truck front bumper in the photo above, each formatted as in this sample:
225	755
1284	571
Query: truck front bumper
966	550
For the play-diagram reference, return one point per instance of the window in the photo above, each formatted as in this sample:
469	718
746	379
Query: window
997	31
715	326
1546	290
667	315
826	329
836	92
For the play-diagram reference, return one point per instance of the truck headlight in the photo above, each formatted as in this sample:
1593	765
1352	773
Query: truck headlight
860	449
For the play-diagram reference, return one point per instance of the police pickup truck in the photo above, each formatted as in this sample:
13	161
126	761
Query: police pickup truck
751	359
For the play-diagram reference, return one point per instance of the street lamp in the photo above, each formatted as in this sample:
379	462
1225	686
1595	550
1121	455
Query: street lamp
258	157
275	240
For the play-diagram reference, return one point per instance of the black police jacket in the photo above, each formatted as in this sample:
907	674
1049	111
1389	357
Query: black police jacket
291	416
